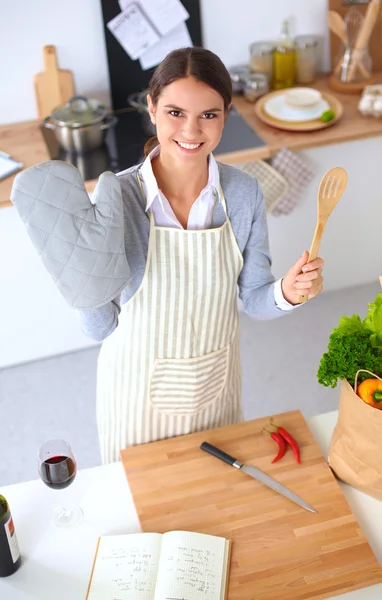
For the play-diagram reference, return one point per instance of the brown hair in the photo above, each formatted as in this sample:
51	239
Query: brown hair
202	64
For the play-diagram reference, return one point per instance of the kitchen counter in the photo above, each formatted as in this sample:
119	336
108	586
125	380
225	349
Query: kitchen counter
352	126
61	559
24	142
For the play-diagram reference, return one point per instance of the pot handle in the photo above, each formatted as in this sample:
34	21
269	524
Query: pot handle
110	121
74	98
48	124
133	100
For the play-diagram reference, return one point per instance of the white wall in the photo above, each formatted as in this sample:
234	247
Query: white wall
75	28
229	27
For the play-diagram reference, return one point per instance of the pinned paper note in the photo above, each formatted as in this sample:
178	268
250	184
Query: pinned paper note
133	30
177	38
164	15
150	29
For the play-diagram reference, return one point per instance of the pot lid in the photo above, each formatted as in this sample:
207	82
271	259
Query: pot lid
79	112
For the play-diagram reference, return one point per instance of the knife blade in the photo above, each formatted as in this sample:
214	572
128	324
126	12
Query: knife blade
258	475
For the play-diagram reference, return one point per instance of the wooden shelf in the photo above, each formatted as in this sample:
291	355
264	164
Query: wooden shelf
24	142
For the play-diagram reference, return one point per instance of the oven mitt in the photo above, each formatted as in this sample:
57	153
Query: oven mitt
81	242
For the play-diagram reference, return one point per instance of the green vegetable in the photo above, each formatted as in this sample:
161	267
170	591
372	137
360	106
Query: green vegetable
328	115
352	324
347	353
373	321
354	344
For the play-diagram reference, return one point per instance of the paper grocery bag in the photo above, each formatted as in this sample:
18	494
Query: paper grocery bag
355	453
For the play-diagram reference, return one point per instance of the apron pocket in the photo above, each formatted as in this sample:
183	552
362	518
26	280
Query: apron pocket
188	385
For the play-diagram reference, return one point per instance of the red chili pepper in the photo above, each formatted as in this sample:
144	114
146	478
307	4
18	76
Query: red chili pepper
280	442
288	438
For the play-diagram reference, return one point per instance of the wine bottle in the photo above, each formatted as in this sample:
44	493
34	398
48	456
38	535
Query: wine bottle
9	549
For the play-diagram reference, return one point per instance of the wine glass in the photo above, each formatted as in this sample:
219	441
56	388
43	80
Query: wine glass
58	468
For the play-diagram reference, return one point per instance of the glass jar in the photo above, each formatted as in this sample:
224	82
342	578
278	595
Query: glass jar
237	72
254	86
353	66
306	57
284	60
262	58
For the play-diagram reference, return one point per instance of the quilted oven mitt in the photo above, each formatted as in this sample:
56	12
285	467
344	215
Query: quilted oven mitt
81	242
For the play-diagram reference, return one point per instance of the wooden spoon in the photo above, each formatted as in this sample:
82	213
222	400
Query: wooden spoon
337	25
331	188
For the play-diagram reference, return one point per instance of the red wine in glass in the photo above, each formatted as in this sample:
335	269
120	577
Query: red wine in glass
57	469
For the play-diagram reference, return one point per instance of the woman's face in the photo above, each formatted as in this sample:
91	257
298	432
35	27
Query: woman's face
189	117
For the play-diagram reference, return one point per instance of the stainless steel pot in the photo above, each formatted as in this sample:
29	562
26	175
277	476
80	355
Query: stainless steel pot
139	101
81	124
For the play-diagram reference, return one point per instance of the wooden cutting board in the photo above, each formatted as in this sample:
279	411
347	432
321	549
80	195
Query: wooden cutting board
280	551
54	86
375	44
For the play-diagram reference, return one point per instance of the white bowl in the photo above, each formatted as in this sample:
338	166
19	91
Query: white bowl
302	98
276	107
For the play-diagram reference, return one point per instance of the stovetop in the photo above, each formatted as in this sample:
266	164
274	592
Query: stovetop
124	143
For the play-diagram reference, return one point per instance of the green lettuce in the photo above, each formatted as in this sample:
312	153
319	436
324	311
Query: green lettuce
373	321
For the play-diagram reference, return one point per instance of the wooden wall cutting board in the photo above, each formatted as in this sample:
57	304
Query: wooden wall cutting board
375	45
280	551
54	86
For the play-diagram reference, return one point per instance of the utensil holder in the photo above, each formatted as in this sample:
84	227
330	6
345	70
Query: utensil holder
353	70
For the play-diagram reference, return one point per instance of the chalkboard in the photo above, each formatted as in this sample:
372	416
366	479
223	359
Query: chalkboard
126	75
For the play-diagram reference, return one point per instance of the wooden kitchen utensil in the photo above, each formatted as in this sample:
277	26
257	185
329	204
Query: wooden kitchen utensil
364	34
331	188
54	86
374	45
279	550
337	25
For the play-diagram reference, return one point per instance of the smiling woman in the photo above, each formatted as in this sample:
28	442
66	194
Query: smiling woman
187	80
189	116
194	231
171	365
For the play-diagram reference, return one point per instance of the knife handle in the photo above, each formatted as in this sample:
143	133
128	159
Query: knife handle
218	453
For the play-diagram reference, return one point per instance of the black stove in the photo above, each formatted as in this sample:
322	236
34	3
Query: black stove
125	141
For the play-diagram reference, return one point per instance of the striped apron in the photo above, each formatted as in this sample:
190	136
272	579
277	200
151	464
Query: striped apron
172	365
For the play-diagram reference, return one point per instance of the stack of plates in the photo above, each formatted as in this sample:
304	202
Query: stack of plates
297	109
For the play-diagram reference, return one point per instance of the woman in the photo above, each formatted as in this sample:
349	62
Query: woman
194	230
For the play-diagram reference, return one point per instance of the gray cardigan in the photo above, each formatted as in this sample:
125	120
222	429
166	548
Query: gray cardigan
246	211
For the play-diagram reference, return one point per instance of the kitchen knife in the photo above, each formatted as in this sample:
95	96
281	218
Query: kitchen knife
257	474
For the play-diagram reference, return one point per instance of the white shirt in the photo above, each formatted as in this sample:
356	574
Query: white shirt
200	216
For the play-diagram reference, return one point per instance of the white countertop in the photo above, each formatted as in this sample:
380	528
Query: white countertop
57	562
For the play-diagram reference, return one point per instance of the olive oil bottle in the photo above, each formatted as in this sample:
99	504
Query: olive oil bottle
284	60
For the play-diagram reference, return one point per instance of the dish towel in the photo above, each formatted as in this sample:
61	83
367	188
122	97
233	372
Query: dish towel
297	172
274	185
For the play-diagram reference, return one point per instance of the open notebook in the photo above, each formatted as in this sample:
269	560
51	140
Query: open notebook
8	165
177	565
